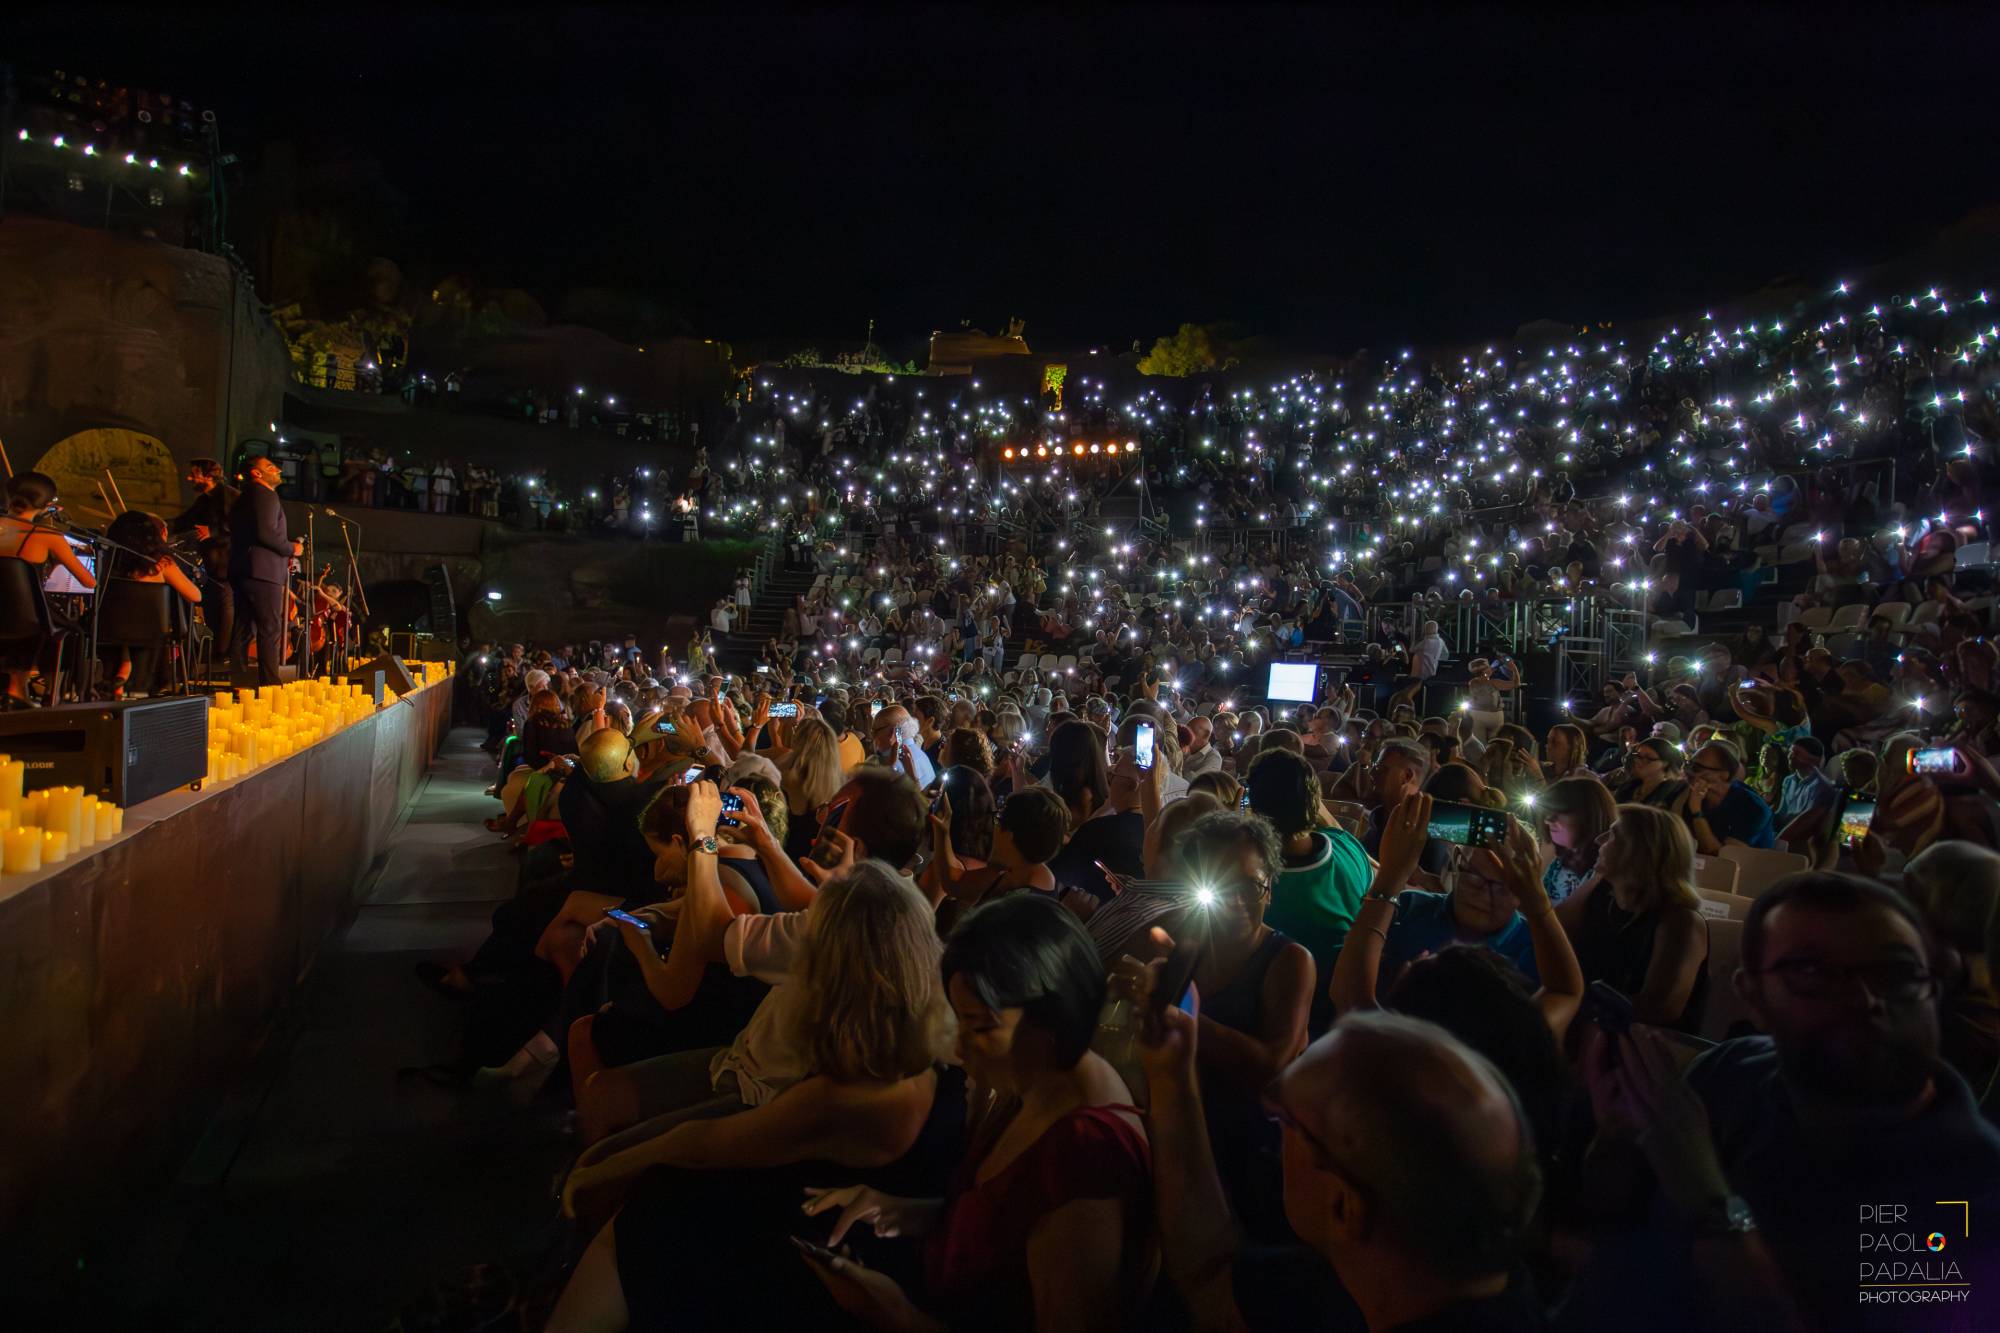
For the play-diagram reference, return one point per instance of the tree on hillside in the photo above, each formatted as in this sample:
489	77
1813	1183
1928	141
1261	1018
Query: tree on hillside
1190	351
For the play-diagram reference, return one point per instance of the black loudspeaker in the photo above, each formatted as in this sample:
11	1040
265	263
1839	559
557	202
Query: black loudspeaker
124	752
395	676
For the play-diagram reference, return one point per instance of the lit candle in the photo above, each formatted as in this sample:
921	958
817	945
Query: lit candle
107	820
21	849
86	824
13	772
65	816
55	847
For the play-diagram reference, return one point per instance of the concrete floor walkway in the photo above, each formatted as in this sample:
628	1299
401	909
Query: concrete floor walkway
328	1194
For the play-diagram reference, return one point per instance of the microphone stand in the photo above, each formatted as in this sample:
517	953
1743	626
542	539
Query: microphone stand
354	587
304	652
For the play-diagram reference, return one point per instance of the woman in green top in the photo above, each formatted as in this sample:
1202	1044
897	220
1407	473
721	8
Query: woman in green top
1325	869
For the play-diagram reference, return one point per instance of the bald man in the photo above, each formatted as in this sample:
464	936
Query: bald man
894	733
1409	1172
600	805
1200	757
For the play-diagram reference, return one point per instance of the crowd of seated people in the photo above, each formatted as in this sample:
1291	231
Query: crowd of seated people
858	1001
949	987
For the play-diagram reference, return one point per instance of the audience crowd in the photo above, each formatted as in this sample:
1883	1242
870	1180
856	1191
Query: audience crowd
902	979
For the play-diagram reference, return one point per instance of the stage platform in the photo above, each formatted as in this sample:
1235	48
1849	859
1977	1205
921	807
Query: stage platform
139	977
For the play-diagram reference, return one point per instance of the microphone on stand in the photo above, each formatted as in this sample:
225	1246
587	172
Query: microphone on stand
348	522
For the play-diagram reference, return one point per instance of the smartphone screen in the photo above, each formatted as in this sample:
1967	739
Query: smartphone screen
1190	944
817	1251
1467	825
784	710
1942	760
1143	744
822	851
693	774
1854	821
1607	1007
626	917
731	803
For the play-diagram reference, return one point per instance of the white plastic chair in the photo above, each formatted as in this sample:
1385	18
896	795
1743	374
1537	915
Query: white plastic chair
1716	875
1762	868
1725	952
1722	907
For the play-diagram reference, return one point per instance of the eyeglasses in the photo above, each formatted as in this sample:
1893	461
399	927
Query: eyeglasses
1322	1155
1898	981
1711	768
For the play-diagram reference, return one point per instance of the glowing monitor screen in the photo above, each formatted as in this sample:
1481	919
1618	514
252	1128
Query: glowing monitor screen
1293	682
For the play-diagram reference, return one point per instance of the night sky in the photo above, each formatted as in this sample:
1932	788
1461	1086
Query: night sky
1322	179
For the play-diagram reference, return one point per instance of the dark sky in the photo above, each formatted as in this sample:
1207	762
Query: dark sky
1324	178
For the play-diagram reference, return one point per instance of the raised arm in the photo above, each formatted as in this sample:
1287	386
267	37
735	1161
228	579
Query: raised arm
1198	1239
1561	992
1404	834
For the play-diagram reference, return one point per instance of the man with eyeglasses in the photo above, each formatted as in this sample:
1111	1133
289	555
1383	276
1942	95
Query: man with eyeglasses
1719	807
1844	1103
1409	1173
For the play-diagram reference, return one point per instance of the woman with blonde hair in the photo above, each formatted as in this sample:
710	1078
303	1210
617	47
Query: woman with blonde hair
811	772
835	1064
705	1226
1636	923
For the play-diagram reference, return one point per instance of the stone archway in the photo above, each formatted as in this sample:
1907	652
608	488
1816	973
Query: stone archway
147	475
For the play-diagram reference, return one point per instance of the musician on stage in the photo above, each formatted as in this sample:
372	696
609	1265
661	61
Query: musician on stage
208	519
23	536
261	550
141	554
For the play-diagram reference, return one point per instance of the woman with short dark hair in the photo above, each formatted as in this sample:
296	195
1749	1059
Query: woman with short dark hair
1028	830
1653	767
1049	1219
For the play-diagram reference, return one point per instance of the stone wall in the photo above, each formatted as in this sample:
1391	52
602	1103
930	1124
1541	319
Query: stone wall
553	587
100	330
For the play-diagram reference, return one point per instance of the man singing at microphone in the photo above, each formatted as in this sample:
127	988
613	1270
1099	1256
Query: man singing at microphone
260	553
208	519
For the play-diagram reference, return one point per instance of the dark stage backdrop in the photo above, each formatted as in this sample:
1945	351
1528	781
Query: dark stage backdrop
138	980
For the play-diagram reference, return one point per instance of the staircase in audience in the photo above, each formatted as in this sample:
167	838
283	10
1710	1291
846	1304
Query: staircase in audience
739	648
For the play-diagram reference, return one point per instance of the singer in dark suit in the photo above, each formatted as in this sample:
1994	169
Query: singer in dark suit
260	556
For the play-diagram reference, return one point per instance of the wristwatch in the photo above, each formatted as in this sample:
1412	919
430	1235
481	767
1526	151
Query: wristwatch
1725	1215
704	844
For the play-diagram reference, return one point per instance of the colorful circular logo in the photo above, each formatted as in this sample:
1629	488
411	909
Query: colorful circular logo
1935	1241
